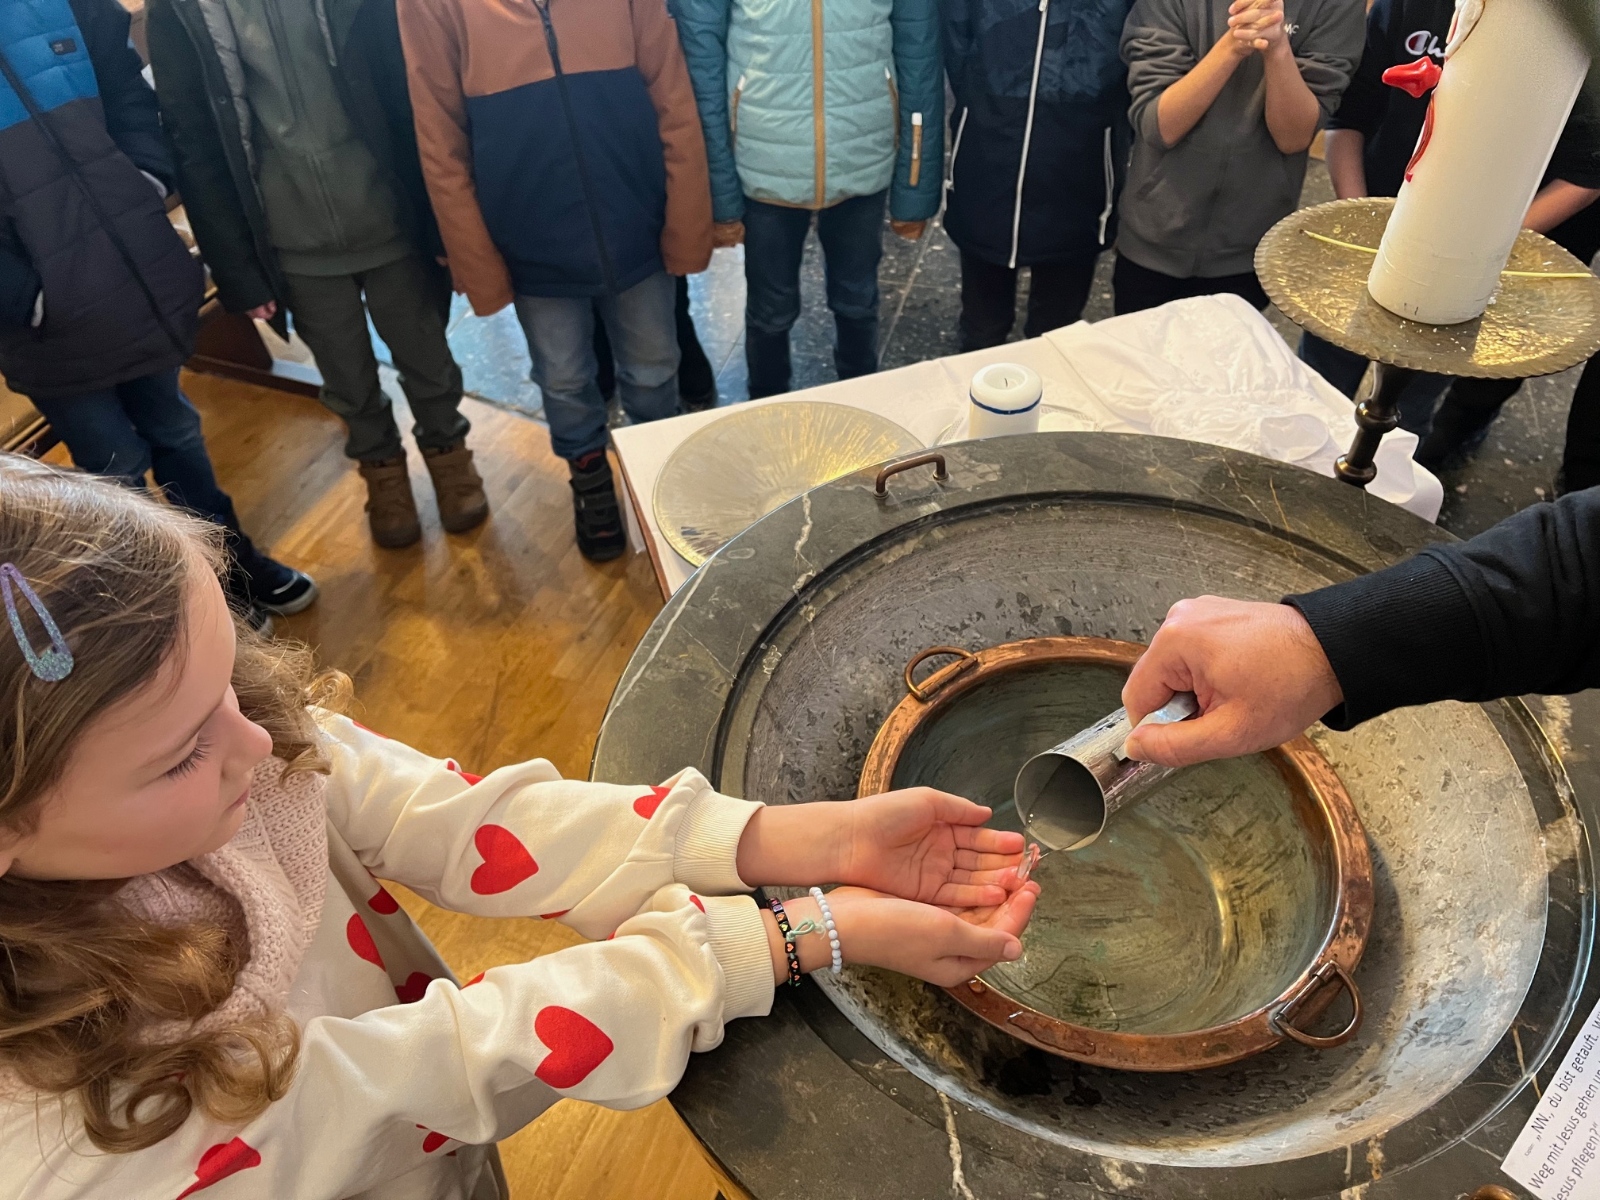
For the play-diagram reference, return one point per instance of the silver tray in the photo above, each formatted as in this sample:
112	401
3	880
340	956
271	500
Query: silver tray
728	475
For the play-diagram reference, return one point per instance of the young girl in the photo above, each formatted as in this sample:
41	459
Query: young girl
205	989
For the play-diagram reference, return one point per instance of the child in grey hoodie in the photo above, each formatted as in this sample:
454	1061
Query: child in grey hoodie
1226	100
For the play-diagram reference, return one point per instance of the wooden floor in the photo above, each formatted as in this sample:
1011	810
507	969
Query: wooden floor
491	647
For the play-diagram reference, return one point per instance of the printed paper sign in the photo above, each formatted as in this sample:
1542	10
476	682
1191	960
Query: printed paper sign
1557	1155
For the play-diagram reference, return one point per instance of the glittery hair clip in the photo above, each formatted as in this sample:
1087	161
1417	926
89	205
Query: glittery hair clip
52	665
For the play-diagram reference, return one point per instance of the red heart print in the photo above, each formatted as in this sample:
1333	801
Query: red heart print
360	939
577	1046
453	765
220	1161
413	989
646	806
432	1141
554	915
383	902
695	900
373	732
478	978
506	861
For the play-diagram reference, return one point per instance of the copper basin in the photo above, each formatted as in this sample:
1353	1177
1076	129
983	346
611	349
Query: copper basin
1214	921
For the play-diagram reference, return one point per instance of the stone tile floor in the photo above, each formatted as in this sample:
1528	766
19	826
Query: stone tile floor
920	289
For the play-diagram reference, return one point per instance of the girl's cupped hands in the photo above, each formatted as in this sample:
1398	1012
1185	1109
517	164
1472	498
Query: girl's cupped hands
941	945
916	844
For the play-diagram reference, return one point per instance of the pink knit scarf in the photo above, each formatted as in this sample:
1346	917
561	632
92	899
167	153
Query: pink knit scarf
265	887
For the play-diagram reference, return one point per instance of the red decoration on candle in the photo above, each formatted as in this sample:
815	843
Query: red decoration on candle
1417	78
1422	142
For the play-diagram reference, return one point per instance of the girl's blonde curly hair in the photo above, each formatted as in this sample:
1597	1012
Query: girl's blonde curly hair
81	976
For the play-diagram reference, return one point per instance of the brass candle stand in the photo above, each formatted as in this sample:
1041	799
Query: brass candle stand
1314	265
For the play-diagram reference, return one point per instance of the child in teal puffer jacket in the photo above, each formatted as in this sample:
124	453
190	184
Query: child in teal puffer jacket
827	107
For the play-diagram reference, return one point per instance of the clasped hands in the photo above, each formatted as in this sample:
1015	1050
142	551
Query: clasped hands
1256	25
927	890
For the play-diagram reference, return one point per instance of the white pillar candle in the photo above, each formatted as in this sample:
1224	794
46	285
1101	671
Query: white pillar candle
1005	399
1510	78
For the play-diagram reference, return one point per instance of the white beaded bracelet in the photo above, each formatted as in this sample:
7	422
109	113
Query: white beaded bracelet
833	932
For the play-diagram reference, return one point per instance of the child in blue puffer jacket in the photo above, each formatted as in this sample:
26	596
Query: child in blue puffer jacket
828	108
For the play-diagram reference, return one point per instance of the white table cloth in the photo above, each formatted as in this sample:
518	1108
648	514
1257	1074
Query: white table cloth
1210	369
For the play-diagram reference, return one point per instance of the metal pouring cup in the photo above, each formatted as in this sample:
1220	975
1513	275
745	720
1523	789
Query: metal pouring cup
1066	795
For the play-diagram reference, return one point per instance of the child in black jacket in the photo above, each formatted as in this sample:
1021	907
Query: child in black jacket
1041	140
99	297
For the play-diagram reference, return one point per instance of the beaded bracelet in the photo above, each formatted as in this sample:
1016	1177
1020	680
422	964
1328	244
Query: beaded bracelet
833	933
788	940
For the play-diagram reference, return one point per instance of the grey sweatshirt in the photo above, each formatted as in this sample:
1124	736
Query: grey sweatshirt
1199	208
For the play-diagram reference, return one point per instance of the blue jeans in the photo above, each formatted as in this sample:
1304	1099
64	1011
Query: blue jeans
147	425
643	330
1344	369
851	233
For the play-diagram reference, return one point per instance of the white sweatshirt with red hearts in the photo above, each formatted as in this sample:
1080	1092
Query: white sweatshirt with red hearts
405	1078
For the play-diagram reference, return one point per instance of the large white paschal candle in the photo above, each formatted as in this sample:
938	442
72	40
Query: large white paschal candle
1512	71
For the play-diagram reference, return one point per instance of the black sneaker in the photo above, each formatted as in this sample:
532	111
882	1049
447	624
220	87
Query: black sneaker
258	618
269	585
598	517
284	592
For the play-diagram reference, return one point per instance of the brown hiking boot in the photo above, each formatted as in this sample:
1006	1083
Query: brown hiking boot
458	486
391	508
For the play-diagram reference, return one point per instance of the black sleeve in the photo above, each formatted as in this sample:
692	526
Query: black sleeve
1576	159
374	43
1514	610
215	211
955	21
132	117
1367	98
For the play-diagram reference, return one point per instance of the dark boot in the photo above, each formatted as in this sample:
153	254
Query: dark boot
594	503
697	383
1462	421
458	486
391	508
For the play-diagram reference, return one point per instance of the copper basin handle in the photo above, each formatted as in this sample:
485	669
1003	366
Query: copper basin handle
881	487
925	690
1280	1018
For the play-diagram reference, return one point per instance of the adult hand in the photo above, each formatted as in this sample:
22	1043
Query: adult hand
727	233
918	843
910	230
1257	669
264	312
930	943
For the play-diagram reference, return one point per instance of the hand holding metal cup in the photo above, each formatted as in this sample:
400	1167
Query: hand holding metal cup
1066	795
